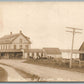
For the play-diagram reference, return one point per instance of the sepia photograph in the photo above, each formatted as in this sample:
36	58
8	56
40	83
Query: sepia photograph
41	41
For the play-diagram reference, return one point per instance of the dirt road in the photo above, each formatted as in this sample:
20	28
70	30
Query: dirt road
47	73
12	74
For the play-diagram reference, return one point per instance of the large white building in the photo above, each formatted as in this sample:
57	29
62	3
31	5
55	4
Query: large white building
13	45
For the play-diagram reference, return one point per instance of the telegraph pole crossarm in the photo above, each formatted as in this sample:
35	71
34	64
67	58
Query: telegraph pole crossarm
73	32
74	28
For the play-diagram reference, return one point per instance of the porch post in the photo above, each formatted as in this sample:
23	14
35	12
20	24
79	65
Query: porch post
79	63
23	53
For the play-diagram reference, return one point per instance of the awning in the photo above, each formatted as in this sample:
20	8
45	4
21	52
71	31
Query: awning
12	50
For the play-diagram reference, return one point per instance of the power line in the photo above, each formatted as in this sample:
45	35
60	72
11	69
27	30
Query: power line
73	33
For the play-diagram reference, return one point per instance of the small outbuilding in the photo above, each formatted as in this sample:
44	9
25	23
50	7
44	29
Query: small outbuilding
52	52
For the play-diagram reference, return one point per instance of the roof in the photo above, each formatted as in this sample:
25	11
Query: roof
82	47
34	50
9	38
11	50
75	51
52	50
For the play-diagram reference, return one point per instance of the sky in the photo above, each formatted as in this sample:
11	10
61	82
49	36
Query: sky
44	22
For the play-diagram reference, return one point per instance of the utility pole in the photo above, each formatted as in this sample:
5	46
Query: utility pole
73	34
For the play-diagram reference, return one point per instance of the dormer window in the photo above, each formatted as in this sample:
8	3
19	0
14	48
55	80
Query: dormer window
20	40
26	46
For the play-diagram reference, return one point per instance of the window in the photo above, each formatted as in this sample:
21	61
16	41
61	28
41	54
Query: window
20	46
14	46
9	46
37	54
20	40
3	46
26	46
6	46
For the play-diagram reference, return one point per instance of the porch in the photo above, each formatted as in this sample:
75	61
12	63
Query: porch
11	54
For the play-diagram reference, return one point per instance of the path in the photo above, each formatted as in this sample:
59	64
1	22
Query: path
12	74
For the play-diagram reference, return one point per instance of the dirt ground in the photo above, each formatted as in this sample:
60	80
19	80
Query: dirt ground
13	76
3	75
46	73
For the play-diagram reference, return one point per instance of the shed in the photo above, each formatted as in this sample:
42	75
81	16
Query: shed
52	52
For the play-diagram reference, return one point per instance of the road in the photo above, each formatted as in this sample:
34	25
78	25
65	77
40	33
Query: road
13	76
46	73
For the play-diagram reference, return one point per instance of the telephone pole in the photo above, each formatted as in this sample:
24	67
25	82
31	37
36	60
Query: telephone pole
73	34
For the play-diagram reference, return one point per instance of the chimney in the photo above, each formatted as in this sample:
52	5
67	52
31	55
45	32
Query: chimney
20	32
10	33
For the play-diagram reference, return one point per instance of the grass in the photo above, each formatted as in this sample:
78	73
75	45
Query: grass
55	64
3	75
47	62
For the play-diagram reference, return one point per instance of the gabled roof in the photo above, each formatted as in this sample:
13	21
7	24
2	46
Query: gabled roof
34	50
82	47
9	38
52	50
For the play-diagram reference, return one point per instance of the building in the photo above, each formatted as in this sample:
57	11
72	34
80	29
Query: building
66	53
81	56
52	52
13	45
35	53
